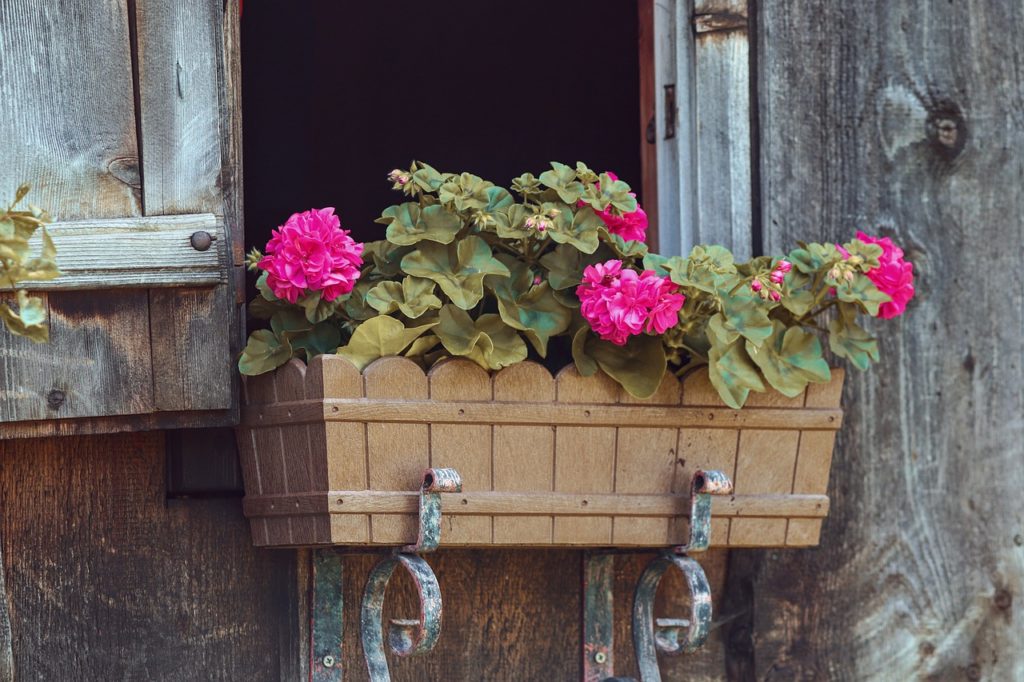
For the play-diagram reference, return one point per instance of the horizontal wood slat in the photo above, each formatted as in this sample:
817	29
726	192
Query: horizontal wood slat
135	252
535	504
332	455
583	414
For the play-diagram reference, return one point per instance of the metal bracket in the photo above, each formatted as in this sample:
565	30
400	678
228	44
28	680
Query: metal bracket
406	637
652	635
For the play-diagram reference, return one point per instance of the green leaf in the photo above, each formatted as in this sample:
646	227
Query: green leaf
413	296
487	341
530	308
264	352
745	314
422	346
384	256
811	258
465	191
380	337
409	224
585	363
868	253
862	292
511	222
323	338
426	177
733	374
581	232
790	359
638	366
265	291
29	320
355	305
849	340
317	309
459	269
565	265
798	301
621	248
659	264
563	180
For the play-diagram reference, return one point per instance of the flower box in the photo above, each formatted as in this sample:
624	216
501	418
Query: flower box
332	456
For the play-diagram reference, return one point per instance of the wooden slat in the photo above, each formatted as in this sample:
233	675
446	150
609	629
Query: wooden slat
69	130
722	96
470	504
645	460
524	413
343	444
134	252
765	463
584	456
178	49
464	447
524	456
305	468
396	454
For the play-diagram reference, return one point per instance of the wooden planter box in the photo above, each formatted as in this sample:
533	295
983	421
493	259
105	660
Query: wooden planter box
334	456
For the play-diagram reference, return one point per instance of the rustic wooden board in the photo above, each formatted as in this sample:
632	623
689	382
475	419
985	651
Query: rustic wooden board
107	580
902	117
134	253
565	460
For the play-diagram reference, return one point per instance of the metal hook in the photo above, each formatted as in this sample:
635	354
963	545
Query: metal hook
435	482
405	637
703	485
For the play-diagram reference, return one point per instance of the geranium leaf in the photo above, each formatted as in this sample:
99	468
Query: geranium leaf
409	224
849	340
562	179
863	292
264	352
733	374
380	337
790	359
638	366
458	269
413	296
581	231
487	341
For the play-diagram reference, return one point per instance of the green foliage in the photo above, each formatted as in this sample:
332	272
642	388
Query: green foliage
27	316
471	269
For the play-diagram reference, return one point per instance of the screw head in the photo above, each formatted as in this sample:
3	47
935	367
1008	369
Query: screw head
600	657
201	240
328	661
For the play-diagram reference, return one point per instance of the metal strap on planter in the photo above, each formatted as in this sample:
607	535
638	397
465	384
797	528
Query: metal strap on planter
652	635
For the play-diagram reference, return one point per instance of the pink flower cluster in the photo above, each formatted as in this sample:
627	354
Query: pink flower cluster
311	252
631	226
893	276
619	303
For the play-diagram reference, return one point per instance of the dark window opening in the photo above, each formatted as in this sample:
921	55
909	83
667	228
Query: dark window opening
336	94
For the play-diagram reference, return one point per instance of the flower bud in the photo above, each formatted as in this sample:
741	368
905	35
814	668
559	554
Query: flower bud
755	286
784	266
848	275
833	273
777	276
776	296
530	223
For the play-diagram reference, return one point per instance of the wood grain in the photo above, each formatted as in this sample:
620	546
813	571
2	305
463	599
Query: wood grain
901	118
134	252
108	580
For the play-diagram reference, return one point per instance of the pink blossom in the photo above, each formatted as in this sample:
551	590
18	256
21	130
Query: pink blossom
893	276
783	266
630	226
756	286
311	252
619	303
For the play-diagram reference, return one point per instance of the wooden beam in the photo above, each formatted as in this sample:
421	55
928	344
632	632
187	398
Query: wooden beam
135	253
385	411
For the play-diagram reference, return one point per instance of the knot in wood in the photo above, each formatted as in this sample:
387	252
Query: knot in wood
55	398
946	129
1003	599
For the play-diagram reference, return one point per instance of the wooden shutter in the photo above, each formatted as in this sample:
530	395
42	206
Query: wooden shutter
702	135
124	118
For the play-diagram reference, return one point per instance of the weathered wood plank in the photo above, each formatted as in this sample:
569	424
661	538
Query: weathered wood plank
68	122
903	117
134	252
110	581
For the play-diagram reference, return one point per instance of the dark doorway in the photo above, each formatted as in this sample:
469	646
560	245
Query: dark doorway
335	94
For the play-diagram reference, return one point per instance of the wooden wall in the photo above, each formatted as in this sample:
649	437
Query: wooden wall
899	113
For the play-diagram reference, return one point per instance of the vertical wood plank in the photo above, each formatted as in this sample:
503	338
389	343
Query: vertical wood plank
466	448
179	49
84	165
257	390
524	456
645	460
397	454
342	443
765	463
584	457
269	463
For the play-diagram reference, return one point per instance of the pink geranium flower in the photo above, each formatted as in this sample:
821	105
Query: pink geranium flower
893	276
630	226
619	303
311	252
